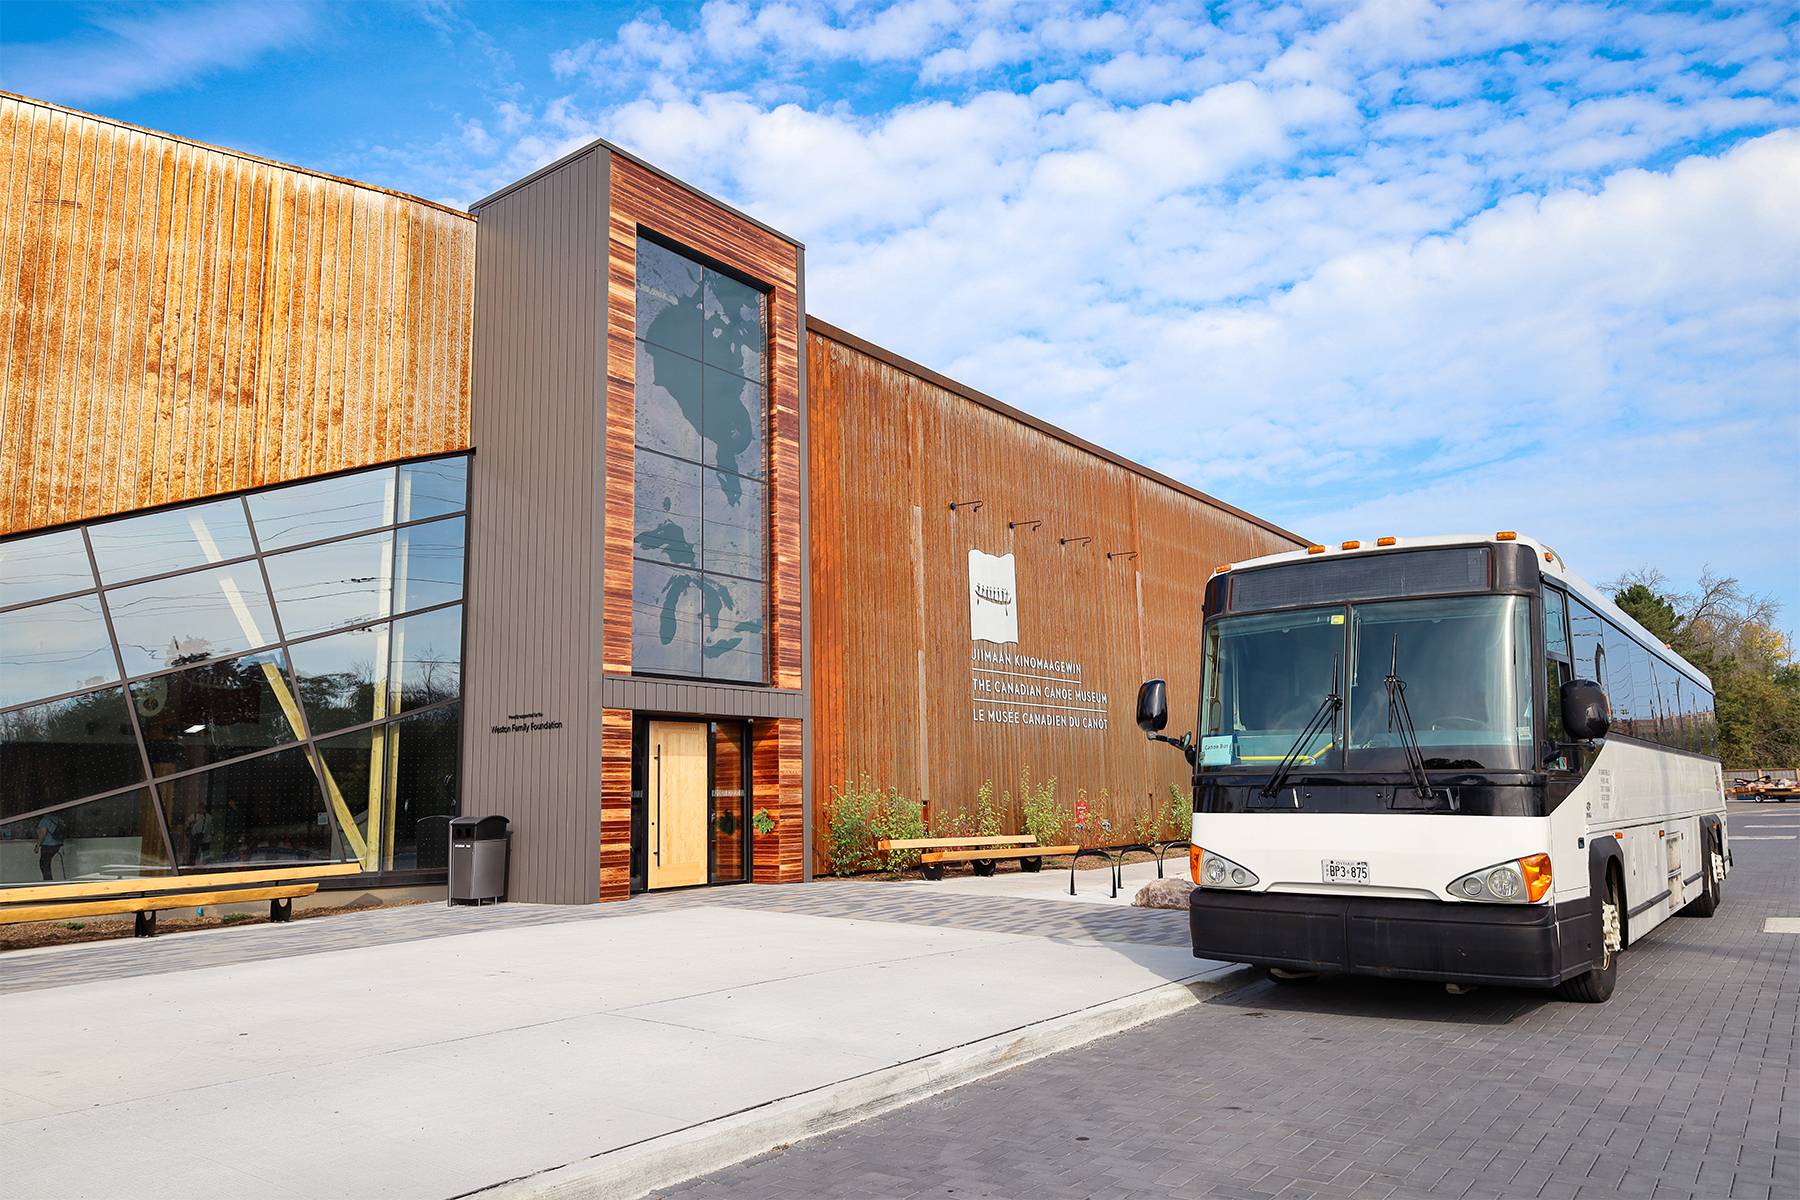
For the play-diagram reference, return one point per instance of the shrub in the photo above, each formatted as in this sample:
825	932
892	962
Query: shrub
1178	813
1043	817
860	817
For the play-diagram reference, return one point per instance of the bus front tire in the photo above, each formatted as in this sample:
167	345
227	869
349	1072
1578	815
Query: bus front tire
1596	985
1707	902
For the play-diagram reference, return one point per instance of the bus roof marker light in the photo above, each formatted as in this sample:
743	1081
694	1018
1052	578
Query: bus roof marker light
1507	536
1221	568
1352	546
1315	549
1384	541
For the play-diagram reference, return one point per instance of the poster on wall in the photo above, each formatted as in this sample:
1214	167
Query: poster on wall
993	598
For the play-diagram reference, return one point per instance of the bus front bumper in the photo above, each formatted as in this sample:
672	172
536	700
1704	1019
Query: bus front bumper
1521	945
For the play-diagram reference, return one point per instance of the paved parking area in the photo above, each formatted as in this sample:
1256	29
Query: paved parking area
1683	1085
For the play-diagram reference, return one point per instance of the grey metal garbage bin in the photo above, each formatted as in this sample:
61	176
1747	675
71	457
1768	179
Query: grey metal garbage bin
480	851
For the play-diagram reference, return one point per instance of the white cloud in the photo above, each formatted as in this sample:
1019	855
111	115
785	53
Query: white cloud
165	48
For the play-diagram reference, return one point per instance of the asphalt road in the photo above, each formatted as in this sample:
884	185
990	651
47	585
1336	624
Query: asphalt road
1683	1085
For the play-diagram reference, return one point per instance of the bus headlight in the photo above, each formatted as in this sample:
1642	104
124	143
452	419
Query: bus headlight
1215	870
1523	881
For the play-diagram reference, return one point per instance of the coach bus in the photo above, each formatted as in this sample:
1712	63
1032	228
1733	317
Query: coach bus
1444	758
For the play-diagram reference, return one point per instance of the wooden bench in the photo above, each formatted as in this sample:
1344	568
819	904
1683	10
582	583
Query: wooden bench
939	851
145	897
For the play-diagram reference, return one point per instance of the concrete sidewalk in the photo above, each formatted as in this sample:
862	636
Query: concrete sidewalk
586	1057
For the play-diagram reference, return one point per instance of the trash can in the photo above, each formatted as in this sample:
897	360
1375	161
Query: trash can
480	848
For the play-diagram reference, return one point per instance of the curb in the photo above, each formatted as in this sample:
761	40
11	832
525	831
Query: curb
633	1171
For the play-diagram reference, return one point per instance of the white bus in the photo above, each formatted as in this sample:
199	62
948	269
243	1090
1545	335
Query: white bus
1444	758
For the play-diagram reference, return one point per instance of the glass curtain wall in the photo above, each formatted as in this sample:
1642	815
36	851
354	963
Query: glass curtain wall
700	514
265	679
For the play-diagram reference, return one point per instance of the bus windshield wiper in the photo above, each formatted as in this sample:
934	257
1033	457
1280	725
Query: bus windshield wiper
1398	714
1327	712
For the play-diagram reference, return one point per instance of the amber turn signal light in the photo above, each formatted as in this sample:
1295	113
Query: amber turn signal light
1537	876
1195	853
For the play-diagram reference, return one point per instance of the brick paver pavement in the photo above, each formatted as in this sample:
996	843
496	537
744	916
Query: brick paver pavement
1683	1085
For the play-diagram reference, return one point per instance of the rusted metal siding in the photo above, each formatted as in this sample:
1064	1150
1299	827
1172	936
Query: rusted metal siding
181	321
894	686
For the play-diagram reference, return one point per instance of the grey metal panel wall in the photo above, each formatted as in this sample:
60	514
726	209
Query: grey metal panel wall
700	699
535	537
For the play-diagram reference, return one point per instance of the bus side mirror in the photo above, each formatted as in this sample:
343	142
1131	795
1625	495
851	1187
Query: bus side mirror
1586	714
1153	706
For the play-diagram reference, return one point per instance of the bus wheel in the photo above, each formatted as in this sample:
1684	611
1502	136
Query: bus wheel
1289	978
1707	902
1596	985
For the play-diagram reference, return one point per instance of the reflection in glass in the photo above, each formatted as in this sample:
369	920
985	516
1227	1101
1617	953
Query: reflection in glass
732	423
326	508
666	519
731	628
1556	625
427	658
46	565
433	489
1265	678
730	808
173	540
668	298
343	678
53	648
735	336
355	766
732	532
250	811
113	838
203	614
423	750
668	402
210	713
67	749
334	585
665	620
428	565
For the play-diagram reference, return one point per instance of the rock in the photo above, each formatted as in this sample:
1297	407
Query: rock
1164	893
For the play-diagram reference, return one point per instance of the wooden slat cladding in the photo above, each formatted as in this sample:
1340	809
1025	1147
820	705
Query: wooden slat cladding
641	198
776	795
615	804
182	321
894	683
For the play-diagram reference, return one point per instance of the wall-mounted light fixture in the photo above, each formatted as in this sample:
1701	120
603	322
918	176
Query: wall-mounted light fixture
1084	541
1015	524
1112	554
974	504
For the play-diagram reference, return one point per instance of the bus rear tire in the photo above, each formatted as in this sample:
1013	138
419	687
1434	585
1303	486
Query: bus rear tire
1596	986
1707	902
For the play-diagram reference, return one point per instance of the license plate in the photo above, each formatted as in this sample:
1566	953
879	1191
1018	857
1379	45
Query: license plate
1339	871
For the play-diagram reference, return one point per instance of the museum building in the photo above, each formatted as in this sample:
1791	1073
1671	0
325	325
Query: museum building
329	513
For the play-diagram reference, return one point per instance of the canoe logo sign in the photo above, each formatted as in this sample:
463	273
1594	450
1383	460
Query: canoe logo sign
993	598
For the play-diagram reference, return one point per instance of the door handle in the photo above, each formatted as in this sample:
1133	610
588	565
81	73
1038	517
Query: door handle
659	806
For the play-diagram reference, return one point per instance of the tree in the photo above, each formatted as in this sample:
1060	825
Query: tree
1729	634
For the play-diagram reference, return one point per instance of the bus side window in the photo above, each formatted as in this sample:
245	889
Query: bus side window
1556	673
1556	625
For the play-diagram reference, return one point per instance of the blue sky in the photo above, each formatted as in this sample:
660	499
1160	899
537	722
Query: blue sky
1363	268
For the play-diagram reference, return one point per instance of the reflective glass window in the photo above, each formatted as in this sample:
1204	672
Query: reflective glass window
343	678
668	298
1556	624
731	423
433	489
333	585
731	528
49	564
326	508
250	812
422	749
172	540
216	711
666	522
1266	677
730	810
185	618
666	608
116	837
731	631
66	749
428	565
354	765
427	658
734	336
1586	635
53	648
669	405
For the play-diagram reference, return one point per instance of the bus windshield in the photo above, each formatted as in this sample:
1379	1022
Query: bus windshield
1465	662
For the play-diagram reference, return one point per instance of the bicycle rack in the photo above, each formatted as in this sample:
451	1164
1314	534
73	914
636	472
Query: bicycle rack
1164	848
1099	853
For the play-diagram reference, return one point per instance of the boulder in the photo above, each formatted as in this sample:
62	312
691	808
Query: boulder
1164	893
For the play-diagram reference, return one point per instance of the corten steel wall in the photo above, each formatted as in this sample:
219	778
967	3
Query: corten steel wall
181	321
535	519
891	445
551	524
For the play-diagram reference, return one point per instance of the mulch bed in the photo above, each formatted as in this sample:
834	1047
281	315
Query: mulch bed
33	934
960	870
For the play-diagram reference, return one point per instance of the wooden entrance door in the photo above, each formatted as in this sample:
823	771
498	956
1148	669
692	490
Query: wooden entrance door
676	819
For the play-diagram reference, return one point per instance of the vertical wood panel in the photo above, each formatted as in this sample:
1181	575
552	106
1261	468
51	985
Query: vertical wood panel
182	321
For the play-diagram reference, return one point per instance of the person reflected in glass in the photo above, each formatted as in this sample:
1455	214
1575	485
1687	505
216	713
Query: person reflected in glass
199	834
50	843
